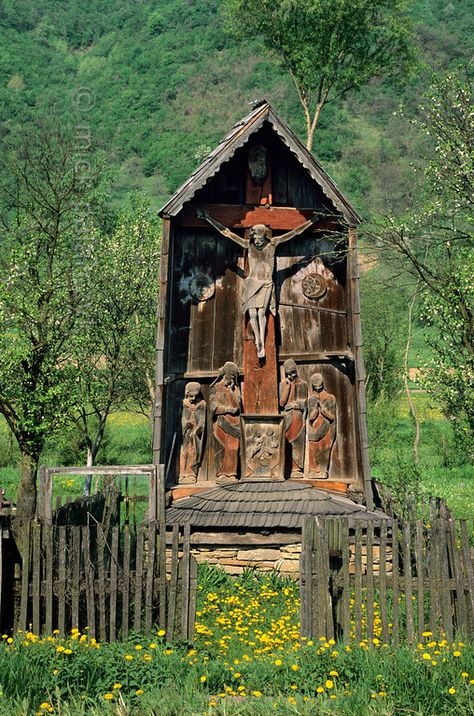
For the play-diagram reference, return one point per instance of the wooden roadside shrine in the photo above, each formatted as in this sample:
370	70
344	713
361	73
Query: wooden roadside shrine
259	354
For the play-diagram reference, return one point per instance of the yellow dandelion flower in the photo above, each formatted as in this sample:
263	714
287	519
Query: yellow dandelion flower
108	696
320	690
329	684
117	686
203	679
257	694
139	692
456	653
451	691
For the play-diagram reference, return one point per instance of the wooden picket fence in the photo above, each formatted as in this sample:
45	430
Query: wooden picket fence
389	580
111	581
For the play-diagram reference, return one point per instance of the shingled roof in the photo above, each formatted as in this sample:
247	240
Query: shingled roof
263	505
237	137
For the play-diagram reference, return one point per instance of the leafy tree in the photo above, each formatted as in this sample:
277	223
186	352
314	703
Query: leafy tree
44	208
434	242
114	349
329	47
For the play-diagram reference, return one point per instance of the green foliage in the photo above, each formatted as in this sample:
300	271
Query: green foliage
328	47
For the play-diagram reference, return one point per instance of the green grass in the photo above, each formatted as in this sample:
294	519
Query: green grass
247	658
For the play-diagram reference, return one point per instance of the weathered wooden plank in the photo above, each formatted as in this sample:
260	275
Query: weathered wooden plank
434	574
185	583
61	589
113	584
25	577
420	584
346	587
162	575
173	590
370	583
468	572
446	602
395	586
48	578
150	576
306	577
460	607
358	582
36	581
126	582
408	580
75	575
193	588
137	616
101	584
330	634
319	614
383	582
89	579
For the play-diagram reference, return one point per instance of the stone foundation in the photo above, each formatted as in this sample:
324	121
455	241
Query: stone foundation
283	559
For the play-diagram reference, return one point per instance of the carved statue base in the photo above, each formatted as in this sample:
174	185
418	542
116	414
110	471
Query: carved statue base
262	447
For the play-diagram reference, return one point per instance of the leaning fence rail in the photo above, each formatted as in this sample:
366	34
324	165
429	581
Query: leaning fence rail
388	581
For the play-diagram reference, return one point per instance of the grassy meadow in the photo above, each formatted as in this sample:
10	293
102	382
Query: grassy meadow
247	659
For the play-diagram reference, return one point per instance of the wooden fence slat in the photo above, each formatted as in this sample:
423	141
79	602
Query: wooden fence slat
48	578
101	584
193	587
306	578
408	581
346	587
89	579
468	572
358	582
162	582
420	581
113	584
462	626
370	583
76	576
395	585
137	617
318	626
329	626
126	582
434	575
61	589
383	582
185	583
25	577
150	574
444	585
173	591
36	581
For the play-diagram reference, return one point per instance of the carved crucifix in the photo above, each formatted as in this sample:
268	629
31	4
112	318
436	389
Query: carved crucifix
259	286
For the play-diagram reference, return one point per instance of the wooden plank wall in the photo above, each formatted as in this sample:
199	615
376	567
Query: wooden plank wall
110	580
390	582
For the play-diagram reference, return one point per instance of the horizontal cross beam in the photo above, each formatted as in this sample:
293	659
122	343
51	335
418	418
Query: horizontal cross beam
243	216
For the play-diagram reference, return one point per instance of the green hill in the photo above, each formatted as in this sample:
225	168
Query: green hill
157	84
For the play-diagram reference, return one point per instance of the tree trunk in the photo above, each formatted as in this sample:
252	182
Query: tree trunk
26	499
406	377
311	129
27	492
88	478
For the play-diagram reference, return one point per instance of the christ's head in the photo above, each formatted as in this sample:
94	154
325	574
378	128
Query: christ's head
260	235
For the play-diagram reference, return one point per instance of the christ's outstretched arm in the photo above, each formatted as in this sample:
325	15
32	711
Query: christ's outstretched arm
202	214
296	232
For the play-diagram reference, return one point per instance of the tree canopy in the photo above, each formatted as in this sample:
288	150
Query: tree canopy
329	47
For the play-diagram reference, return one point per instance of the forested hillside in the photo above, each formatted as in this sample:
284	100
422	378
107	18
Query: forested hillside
158	83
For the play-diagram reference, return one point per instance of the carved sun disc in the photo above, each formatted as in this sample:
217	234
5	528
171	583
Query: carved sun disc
314	286
201	287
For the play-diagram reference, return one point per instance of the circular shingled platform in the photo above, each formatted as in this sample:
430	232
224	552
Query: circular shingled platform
263	505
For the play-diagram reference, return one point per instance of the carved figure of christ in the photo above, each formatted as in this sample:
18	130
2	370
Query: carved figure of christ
259	287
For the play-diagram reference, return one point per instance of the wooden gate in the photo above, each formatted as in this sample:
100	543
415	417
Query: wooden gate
386	581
